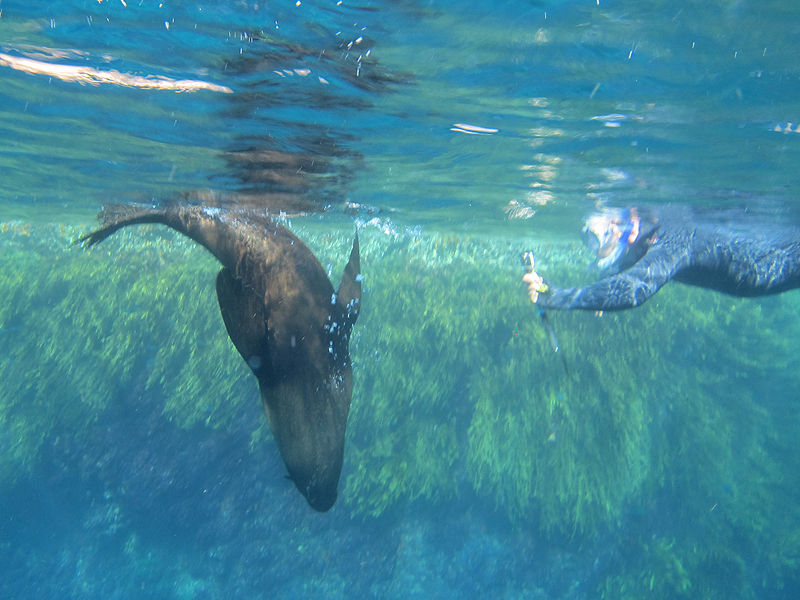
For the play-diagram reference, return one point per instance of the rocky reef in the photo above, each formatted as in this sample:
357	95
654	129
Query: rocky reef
135	459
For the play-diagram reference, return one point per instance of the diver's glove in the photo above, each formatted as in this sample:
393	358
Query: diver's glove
536	284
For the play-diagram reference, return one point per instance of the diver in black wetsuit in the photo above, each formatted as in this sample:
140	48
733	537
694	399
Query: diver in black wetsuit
727	251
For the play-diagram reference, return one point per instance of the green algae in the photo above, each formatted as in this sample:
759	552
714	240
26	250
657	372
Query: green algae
65	349
202	379
78	328
670	400
457	391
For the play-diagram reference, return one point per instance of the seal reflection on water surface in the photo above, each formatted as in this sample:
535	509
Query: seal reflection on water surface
287	322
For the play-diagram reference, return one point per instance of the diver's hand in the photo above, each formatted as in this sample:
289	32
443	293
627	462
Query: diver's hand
536	284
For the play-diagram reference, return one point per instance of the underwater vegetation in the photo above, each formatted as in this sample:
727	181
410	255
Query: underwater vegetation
672	442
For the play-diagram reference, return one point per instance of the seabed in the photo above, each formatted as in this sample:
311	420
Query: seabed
135	459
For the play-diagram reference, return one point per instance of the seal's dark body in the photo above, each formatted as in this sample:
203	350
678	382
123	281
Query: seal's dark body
286	321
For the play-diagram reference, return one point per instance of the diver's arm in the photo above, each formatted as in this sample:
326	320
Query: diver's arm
625	290
746	266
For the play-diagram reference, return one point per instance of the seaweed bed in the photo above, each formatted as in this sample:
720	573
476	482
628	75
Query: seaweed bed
135	459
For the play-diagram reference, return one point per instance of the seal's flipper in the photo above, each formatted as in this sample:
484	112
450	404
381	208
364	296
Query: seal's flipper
348	296
244	315
116	216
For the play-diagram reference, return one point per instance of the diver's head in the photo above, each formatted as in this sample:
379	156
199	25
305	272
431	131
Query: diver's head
610	233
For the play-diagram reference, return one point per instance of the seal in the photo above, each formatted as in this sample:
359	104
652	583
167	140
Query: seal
287	322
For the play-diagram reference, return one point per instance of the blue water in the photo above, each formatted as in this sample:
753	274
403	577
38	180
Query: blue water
703	93
507	121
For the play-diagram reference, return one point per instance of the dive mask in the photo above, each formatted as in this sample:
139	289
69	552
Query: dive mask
610	234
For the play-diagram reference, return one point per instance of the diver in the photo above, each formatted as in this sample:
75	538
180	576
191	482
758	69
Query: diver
643	248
